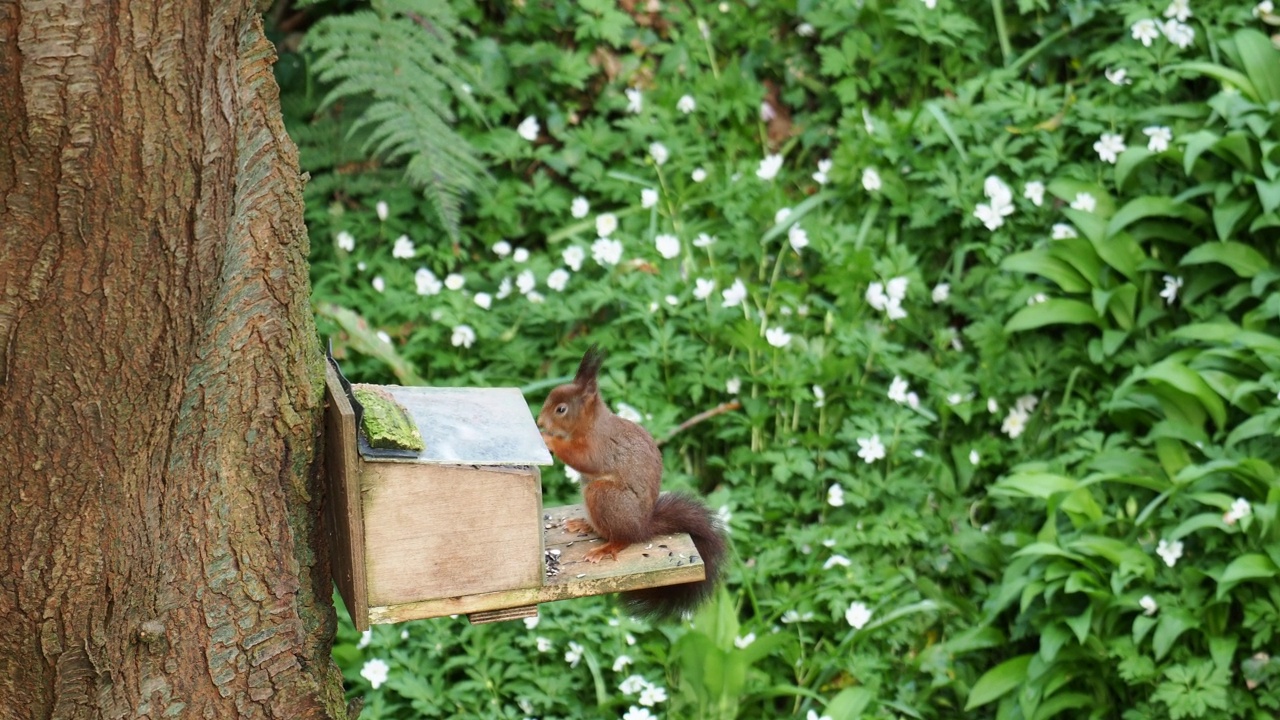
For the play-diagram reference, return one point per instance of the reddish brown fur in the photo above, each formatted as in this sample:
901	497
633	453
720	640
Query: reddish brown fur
621	470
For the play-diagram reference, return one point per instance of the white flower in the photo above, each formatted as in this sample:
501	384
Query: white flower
378	283
1014	423
484	300
637	713
835	496
989	215
871	449
658	152
532	622
897	288
1034	191
835	560
529	128
686	104
941	292
1026	404
648	198
769	167
766	112
454	281
1037	299
1178	33
579	207
381	209
724	515
504	288
824	167
993	214
668	246
781	216
426	282
1148	604
857	615
346	241
1266	7
876	296
1240	509
652	695
558	279
573	654
534	297
1171	286
813	714
703	240
1117	76
1109	147
1160	137
931	4
631	639
795	616
734	294
365	638
621	663
804	30
777	337
744	641
627	412
1169	551
974	458
375	671
544	645
1063	231
955	399
403	248
526	282
633	684
463	336
1145	30
993	407
898	390
798	238
871	180
820	396
606	223
1179	9
520	255
571	474
867	122
606	251
502	248
996	189
635	100
573	257
1084	201
703	288
733	385
671	300
698	175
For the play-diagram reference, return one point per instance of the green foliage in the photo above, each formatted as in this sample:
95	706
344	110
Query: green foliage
999	319
402	56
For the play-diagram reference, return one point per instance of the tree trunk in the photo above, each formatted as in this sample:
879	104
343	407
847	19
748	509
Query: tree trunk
161	384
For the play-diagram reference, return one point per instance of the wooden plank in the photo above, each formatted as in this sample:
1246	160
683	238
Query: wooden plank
664	560
434	531
342	506
516	613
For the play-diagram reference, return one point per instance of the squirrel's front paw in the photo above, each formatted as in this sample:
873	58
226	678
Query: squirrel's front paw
607	550
578	525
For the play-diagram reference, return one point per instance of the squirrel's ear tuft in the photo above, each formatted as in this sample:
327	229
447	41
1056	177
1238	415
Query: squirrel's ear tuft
589	368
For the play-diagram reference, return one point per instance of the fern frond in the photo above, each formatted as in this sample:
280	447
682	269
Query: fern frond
402	56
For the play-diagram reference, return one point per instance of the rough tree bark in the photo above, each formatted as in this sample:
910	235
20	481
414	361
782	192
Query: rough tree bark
160	379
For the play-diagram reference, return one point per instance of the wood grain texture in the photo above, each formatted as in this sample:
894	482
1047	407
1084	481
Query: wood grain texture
435	531
665	560
491	616
343	512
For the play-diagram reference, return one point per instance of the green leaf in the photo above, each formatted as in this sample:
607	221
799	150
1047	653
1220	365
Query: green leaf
1195	145
998	681
1244	260
1129	161
1254	566
1121	252
1268	193
1152	206
1171	625
1229	334
1261	63
850	704
1222	74
1066	190
1183	378
1041	262
1228	214
1053	312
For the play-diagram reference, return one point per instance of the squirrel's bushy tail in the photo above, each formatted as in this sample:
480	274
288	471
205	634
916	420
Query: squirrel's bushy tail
678	513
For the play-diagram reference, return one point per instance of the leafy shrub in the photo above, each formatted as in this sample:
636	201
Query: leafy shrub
999	320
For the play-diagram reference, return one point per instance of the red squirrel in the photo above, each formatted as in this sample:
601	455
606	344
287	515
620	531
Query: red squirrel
621	470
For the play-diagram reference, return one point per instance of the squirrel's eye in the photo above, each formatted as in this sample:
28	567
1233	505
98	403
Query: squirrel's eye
562	409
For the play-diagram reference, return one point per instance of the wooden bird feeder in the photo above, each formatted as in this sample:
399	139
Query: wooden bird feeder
457	526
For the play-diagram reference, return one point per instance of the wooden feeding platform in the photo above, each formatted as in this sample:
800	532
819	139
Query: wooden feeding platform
457	526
